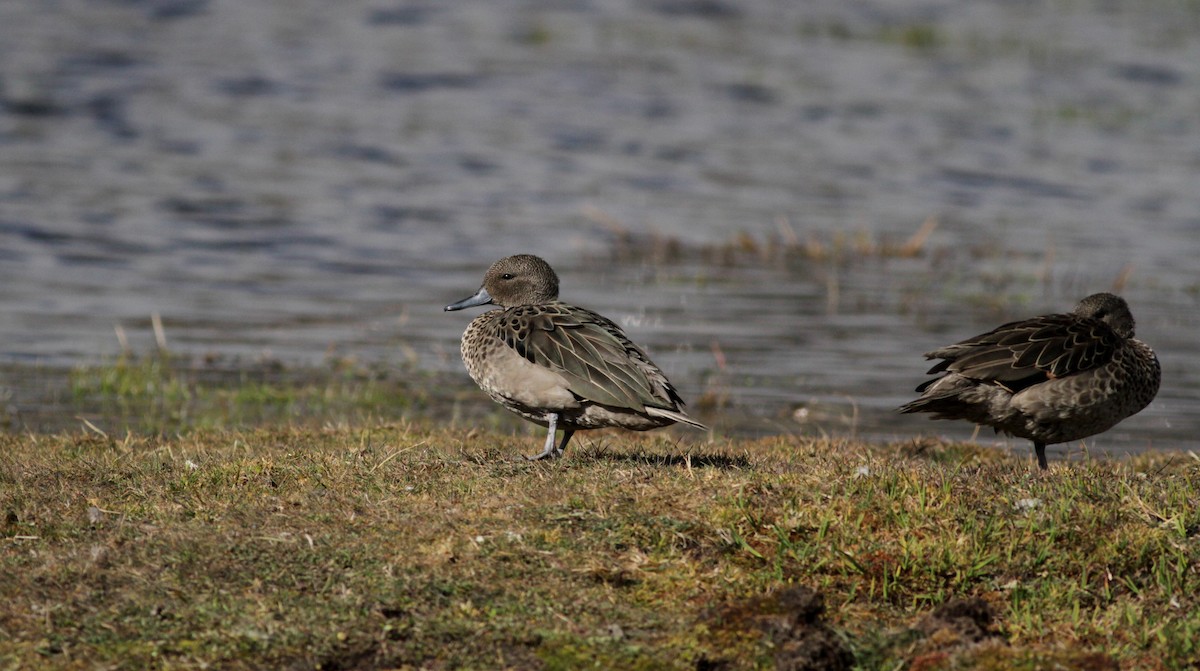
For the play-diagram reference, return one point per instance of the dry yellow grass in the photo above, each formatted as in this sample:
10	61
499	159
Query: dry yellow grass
414	547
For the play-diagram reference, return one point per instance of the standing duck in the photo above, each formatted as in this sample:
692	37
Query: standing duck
558	365
1050	379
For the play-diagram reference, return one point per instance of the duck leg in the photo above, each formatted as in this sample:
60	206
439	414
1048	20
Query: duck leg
562	447
549	450
1040	448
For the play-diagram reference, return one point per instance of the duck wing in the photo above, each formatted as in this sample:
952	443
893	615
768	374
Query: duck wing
598	361
1021	354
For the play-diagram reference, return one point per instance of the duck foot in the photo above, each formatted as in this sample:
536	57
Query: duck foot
551	451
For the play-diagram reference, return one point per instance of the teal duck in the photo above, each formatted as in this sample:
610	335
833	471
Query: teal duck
558	365
1050	379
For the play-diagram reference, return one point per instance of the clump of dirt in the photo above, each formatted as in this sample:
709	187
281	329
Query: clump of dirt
792	619
960	620
963	633
961	625
802	639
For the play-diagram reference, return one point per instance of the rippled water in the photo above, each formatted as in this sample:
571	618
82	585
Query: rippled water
293	178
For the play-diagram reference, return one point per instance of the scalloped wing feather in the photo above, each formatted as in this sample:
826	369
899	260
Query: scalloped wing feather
1020	354
593	354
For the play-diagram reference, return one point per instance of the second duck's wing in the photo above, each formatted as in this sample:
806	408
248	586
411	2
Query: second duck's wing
1020	354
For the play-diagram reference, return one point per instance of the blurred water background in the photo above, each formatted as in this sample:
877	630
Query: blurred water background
785	202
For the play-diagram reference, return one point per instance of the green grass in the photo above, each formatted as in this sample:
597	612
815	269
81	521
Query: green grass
160	393
406	547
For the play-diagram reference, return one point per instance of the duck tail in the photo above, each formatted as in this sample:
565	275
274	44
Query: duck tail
675	416
944	403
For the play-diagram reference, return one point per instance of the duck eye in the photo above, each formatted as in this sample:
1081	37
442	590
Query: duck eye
506	276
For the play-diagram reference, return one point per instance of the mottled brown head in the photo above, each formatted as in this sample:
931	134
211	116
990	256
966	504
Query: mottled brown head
523	279
1110	309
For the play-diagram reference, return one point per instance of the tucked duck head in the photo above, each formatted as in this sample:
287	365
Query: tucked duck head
1110	309
523	279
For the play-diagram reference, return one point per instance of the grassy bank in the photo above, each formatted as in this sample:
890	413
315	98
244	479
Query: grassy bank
409	547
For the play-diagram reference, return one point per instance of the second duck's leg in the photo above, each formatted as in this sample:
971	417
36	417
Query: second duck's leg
1040	448
562	447
548	451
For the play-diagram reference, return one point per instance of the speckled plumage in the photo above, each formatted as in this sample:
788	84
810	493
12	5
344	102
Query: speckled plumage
1050	379
559	365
